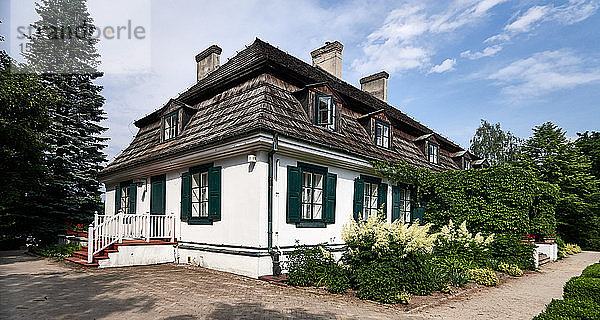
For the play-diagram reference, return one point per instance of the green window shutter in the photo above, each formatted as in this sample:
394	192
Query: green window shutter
359	194
117	198
382	198
418	212
132	197
330	186
186	201
396	203
157	195
294	190
214	193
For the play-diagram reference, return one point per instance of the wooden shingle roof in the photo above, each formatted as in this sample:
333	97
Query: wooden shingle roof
253	91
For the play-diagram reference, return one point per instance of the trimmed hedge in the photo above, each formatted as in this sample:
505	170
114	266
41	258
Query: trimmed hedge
592	271
582	288
570	309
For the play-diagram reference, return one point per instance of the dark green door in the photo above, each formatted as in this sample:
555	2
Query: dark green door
157	194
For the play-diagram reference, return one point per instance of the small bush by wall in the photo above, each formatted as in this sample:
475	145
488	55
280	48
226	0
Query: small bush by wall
315	266
509	249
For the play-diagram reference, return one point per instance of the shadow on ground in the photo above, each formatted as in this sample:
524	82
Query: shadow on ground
257	311
68	295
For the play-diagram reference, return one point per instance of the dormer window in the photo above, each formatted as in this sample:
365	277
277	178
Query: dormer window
433	152
325	111
467	165
382	134
170	126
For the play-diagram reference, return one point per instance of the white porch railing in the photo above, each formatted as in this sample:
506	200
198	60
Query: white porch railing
107	230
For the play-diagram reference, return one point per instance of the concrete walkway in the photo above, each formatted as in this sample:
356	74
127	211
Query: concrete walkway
35	288
519	298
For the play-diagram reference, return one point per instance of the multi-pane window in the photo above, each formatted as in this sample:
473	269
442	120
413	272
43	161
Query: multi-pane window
200	195
382	134
467	165
312	195
405	204
433	152
325	112
371	199
125	199
170	126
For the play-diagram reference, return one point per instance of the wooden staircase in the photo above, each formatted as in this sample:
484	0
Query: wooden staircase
81	257
543	259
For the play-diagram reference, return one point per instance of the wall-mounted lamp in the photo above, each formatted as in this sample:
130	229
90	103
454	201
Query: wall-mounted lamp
251	158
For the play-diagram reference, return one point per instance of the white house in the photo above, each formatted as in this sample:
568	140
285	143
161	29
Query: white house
262	152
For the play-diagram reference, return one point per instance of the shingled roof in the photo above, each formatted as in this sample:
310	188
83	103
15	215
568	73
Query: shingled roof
252	92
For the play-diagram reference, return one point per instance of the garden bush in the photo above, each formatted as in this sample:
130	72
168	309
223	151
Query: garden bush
459	244
380	282
57	251
315	266
572	249
570	309
509	249
485	277
456	270
592	271
582	288
510	269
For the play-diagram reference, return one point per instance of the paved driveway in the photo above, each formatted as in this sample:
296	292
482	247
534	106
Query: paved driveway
35	288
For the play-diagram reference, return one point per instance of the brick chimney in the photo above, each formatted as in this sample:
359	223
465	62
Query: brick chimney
208	61
329	58
376	85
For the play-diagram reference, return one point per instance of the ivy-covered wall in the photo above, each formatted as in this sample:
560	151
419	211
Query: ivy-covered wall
501	199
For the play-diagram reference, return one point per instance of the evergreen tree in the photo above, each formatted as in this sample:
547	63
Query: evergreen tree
555	159
589	144
492	143
23	124
63	52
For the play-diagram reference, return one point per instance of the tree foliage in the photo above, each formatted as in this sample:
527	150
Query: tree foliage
589	144
492	143
554	159
23	124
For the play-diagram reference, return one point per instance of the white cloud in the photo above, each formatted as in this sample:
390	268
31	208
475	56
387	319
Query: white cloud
404	40
446	65
487	52
525	22
544	72
572	12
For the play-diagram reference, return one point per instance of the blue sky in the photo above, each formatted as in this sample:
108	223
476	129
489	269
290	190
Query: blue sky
452	63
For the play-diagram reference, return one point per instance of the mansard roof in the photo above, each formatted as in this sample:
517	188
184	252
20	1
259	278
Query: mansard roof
253	91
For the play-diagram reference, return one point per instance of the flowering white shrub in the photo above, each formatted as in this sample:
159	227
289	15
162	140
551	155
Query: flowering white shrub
461	235
382	238
458	242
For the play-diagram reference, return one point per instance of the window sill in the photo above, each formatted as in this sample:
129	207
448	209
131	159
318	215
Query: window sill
311	224
200	221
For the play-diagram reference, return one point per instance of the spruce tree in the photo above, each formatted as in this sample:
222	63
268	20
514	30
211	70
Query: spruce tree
555	159
63	52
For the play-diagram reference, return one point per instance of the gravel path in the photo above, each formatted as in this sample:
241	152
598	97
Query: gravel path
519	298
35	288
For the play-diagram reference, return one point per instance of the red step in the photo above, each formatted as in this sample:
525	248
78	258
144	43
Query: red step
82	262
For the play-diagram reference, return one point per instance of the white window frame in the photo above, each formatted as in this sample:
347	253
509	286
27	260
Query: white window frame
199	196
330	122
433	152
370	196
382	134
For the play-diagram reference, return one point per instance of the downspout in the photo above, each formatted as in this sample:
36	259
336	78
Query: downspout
274	253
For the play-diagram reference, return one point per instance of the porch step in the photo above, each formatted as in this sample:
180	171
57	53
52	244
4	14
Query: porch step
543	259
282	278
82	262
81	257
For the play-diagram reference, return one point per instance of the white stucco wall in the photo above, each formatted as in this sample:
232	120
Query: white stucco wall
286	234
